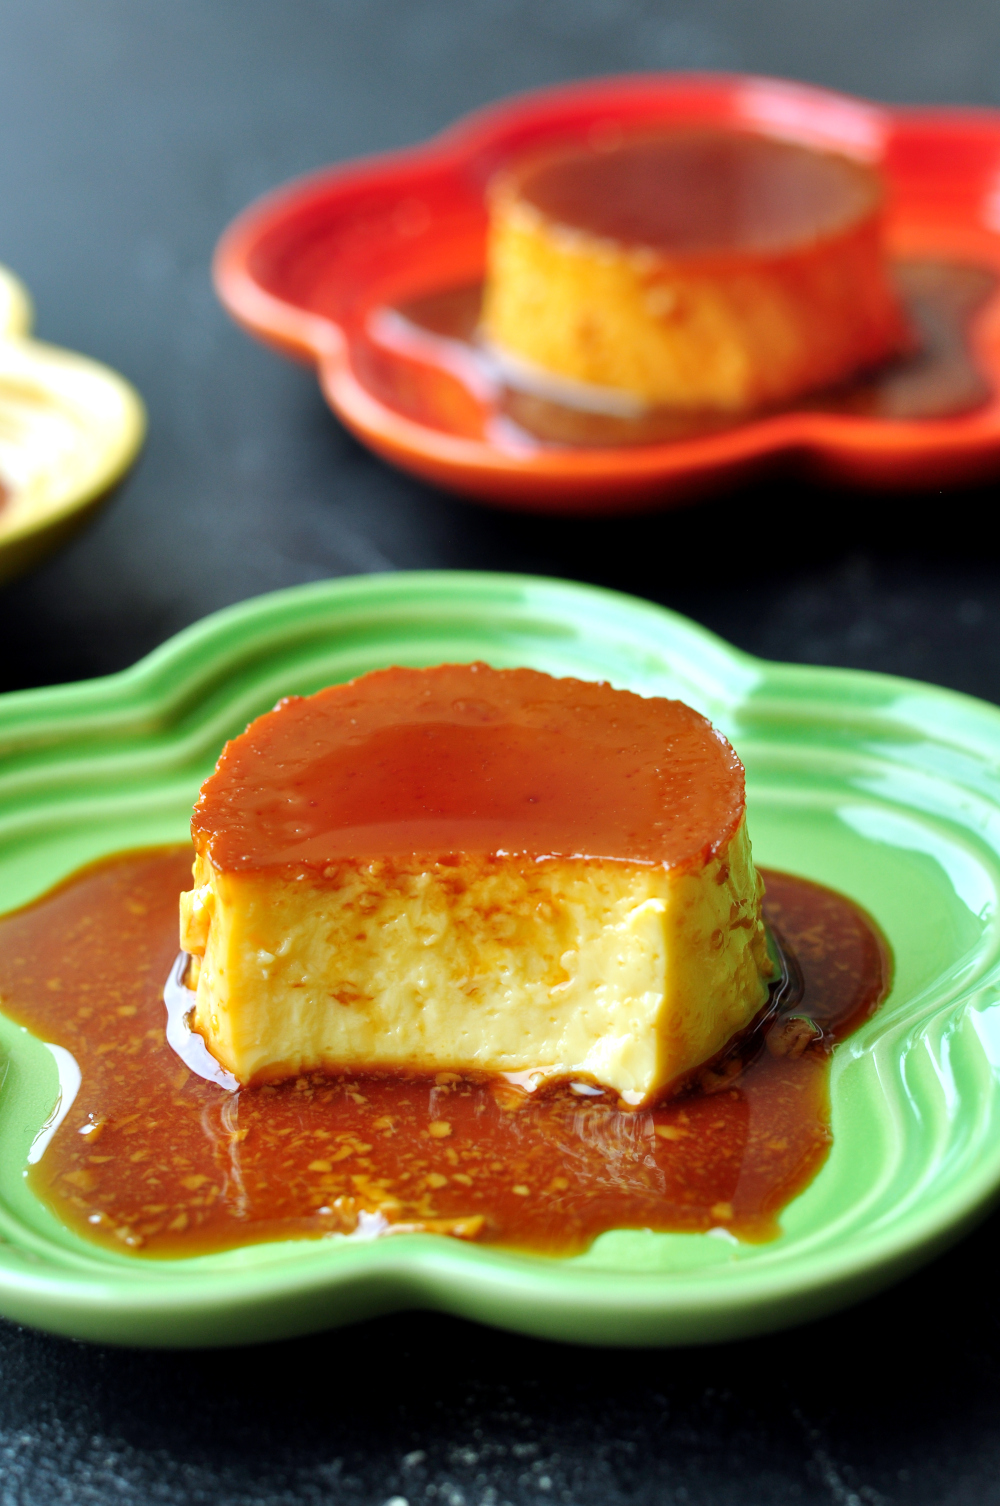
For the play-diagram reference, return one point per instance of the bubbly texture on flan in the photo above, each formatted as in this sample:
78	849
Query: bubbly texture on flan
692	268
470	869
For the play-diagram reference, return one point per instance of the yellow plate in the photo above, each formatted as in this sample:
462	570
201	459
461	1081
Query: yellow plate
69	429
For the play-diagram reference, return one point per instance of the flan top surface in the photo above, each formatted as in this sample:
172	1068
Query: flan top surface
464	759
689	193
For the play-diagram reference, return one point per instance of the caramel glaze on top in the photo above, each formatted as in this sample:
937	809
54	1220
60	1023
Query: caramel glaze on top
467	759
699	193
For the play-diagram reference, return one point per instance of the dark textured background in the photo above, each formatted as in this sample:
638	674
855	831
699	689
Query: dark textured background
130	132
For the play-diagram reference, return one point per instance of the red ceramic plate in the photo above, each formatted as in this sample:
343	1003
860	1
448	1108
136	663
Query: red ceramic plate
312	269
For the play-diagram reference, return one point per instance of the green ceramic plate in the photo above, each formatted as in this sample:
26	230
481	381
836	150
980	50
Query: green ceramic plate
885	789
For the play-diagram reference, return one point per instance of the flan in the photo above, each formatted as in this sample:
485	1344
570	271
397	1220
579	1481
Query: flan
481	871
691	269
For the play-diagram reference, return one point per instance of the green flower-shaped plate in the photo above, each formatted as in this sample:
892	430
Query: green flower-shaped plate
885	789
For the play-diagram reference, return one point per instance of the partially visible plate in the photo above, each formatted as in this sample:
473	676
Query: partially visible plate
16	310
69	429
311	267
883	788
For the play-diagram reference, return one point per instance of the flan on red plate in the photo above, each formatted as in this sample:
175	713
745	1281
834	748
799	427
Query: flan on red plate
313	268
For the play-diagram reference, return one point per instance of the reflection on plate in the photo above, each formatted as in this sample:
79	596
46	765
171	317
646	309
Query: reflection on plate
69	428
309	268
884	789
938	379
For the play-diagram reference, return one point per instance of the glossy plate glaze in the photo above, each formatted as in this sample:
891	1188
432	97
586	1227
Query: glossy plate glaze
307	267
69	429
885	789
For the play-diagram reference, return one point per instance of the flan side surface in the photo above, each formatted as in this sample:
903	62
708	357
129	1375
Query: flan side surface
475	870
692	270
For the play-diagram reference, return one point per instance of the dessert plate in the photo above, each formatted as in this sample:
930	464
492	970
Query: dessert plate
69	429
317	268
885	789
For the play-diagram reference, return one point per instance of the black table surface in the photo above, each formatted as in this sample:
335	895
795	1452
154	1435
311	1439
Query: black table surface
132	132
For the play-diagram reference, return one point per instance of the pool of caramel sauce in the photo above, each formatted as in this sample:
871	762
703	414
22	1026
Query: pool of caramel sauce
939	378
155	1159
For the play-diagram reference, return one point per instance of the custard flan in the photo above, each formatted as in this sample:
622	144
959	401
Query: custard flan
692	269
480	871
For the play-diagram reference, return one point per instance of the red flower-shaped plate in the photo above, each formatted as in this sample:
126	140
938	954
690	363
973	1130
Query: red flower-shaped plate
317	268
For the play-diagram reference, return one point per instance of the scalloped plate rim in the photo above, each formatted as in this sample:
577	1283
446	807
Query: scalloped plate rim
27	539
116	460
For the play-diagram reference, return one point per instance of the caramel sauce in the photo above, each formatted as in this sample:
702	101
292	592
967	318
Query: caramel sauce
939	378
467	759
153	1158
699	193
